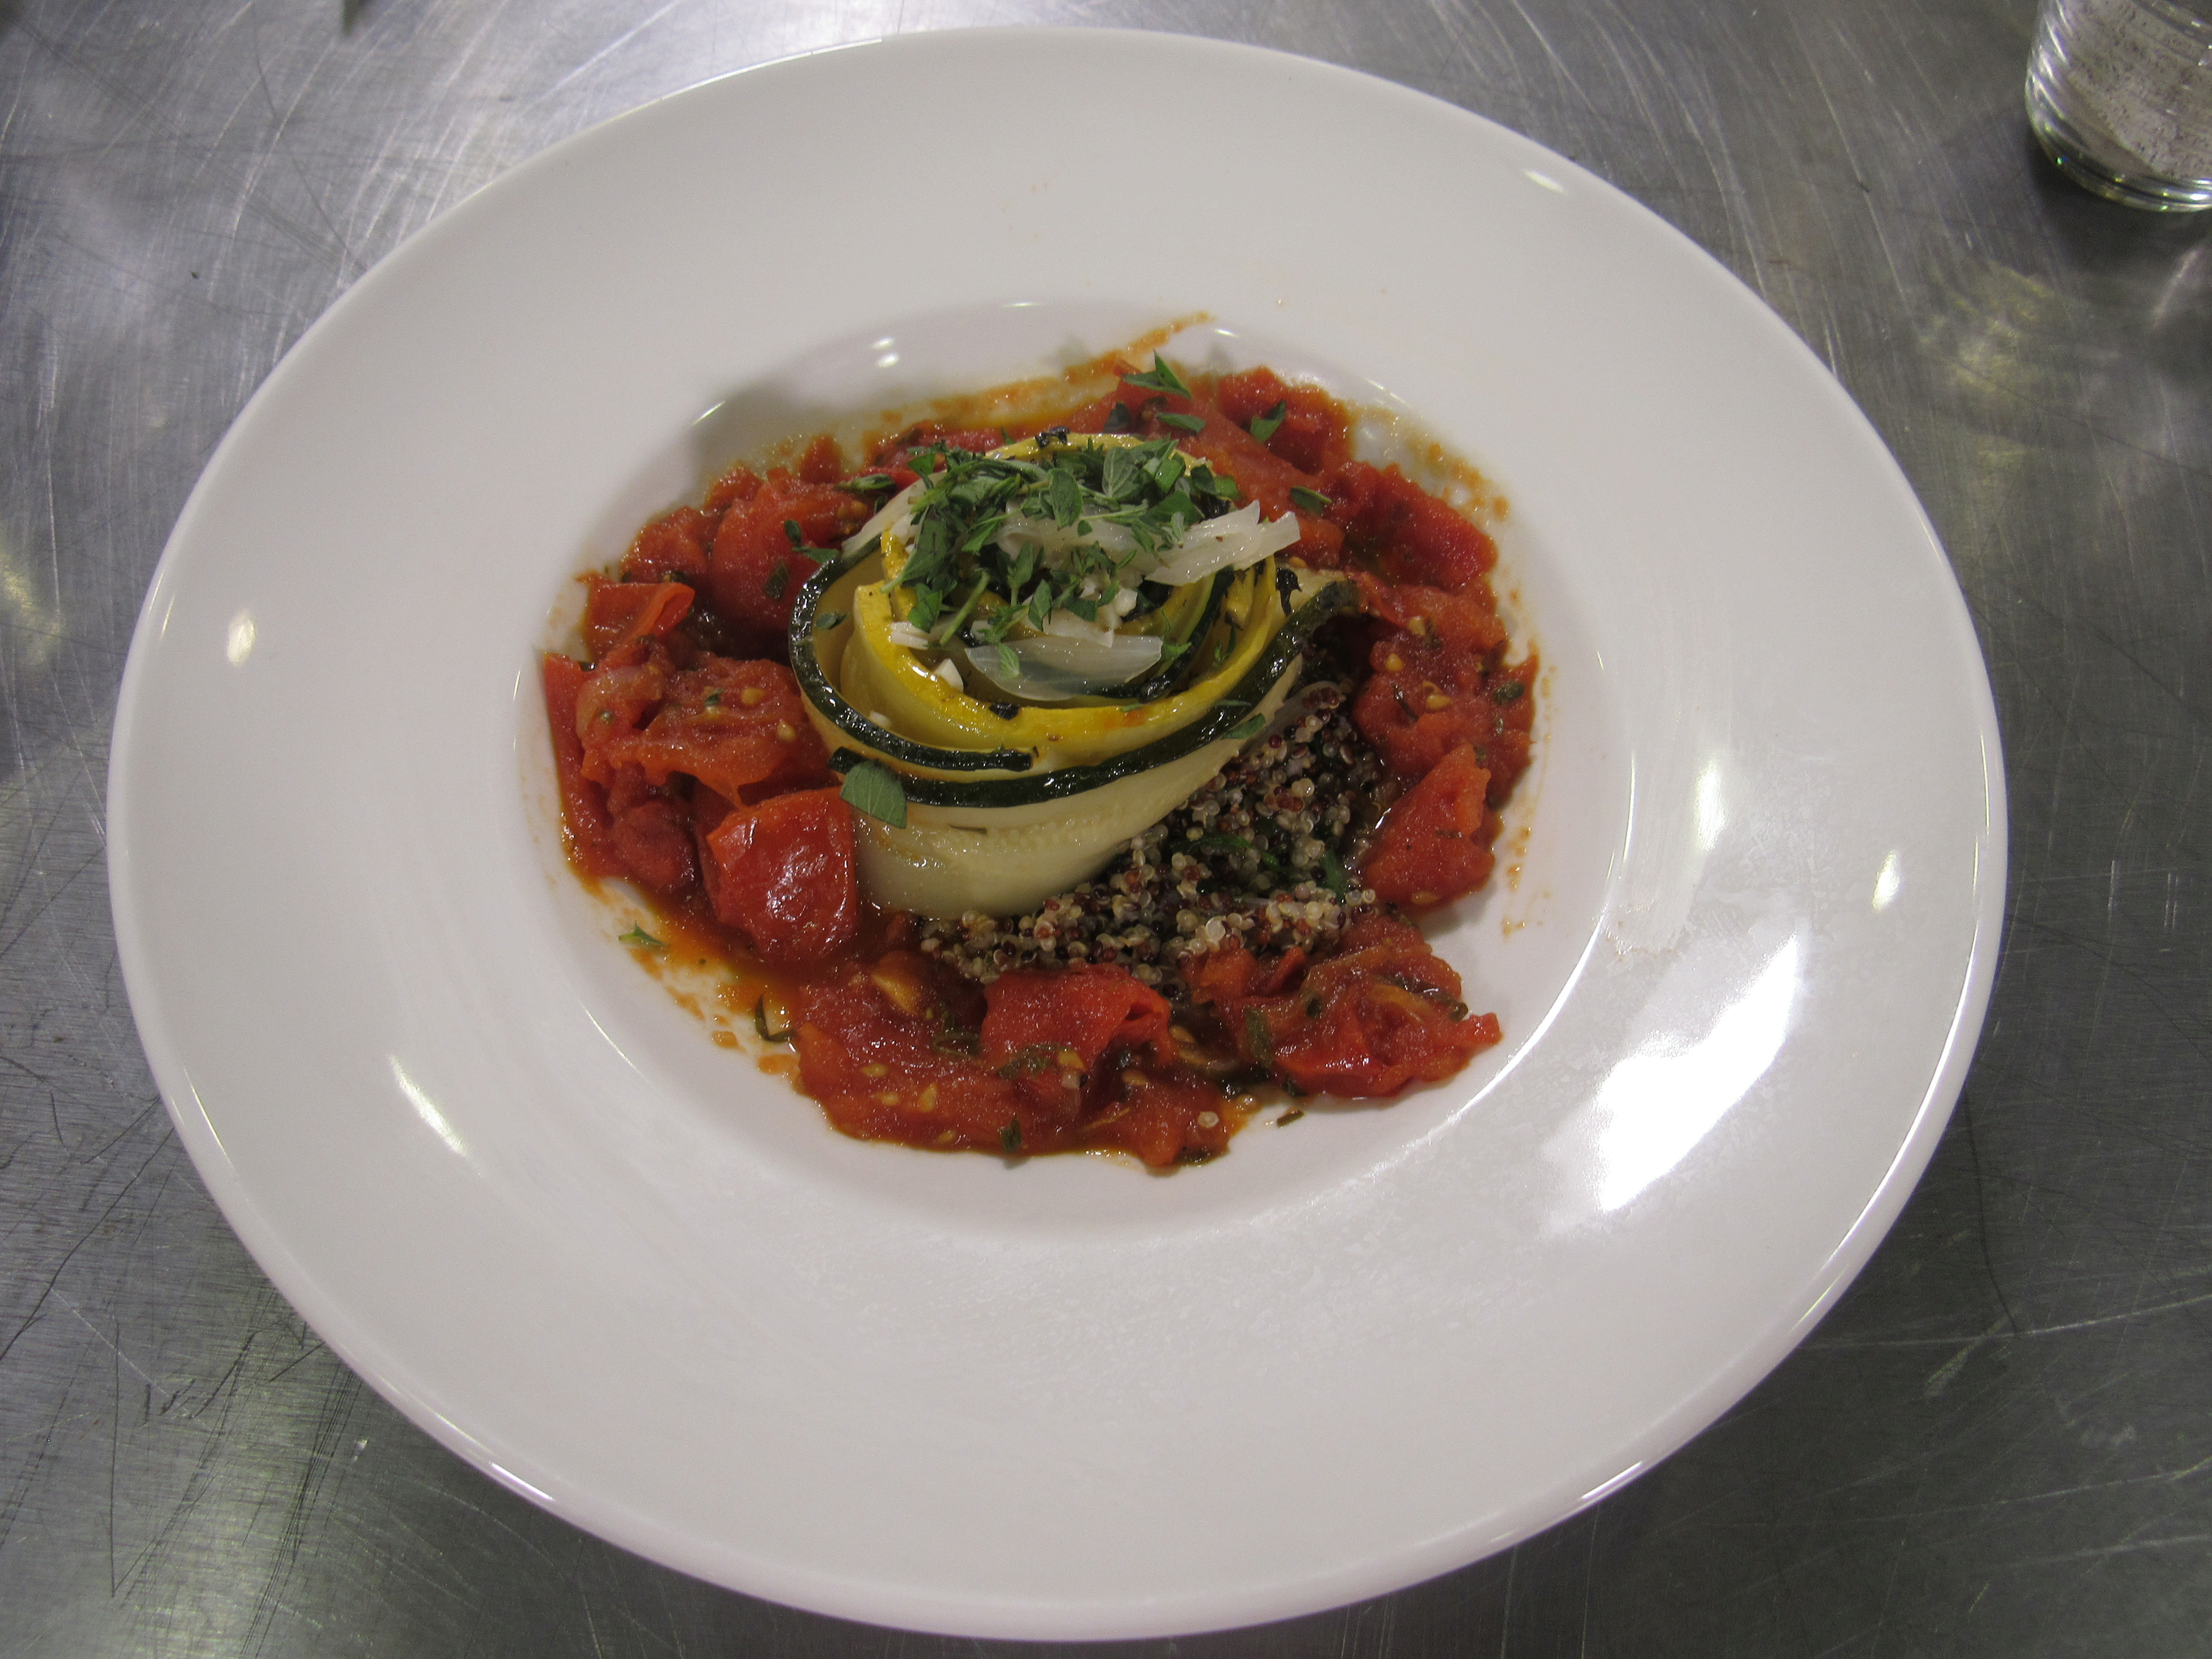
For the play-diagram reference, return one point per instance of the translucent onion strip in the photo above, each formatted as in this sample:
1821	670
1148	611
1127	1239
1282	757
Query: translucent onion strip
891	513
1231	541
1052	668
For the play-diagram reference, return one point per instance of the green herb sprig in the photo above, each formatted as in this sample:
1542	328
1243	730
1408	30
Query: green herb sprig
967	586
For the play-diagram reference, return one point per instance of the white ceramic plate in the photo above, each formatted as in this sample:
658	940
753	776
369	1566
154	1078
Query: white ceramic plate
624	1272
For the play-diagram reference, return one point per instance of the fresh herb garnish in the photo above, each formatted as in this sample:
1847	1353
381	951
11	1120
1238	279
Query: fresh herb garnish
826	620
999	544
1182	423
1311	500
760	1025
779	579
868	482
1257	1037
1030	1061
1010	1138
1162	377
952	1037
1249	726
875	790
638	939
1263	427
1507	691
1333	876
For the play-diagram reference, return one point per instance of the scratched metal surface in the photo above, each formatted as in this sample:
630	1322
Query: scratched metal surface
1999	1443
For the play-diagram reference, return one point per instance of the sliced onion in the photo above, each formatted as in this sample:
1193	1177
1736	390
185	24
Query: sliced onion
1051	536
893	509
1052	668
1231	541
1065	625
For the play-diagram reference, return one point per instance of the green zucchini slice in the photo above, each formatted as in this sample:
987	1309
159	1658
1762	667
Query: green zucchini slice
992	830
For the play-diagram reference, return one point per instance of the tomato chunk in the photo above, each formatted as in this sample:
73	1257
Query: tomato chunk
1434	687
1381	1012
652	835
755	573
584	813
1411	536
1049	1028
618	613
738	727
1433	846
1312	434
672	547
784	876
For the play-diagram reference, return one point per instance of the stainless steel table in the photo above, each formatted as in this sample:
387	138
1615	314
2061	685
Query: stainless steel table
1999	1443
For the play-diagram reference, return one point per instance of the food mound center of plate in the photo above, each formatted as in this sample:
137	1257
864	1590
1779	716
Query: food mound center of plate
1072	773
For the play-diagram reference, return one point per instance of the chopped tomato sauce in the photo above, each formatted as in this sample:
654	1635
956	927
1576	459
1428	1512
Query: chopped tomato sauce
686	763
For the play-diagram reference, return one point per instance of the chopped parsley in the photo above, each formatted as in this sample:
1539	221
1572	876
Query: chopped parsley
638	939
965	585
1263	427
1310	501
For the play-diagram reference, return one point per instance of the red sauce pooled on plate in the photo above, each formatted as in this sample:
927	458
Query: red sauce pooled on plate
688	767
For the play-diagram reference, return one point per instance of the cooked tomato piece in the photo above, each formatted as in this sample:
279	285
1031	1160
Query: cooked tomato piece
673	546
653	837
784	876
1312	435
1163	1116
1378	1012
614	701
618	613
1462	625
740	727
1435	844
1378	1038
1434	687
888	1047
1409	534
1050	1029
823	463
897	457
755	573
583	801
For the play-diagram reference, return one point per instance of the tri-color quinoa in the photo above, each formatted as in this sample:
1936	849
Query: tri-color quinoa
1257	858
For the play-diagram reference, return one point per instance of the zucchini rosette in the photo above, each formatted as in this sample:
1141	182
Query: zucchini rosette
1026	658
